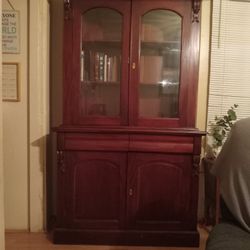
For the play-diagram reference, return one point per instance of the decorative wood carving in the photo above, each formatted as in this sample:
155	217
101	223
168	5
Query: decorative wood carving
60	161
67	9
196	164
196	5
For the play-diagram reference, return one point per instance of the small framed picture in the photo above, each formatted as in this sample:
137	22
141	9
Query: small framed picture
11	91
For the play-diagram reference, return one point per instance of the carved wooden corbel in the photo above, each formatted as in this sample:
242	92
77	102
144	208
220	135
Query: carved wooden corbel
196	165
60	162
67	9
196	6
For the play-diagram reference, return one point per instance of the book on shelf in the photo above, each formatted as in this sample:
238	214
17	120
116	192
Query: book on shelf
82	77
105	77
104	67
101	66
96	66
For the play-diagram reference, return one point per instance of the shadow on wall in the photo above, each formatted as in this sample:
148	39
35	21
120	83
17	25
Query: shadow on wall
46	163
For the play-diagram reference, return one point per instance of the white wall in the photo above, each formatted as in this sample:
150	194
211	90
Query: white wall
1	152
15	135
38	110
25	123
1	161
204	64
56	61
203	88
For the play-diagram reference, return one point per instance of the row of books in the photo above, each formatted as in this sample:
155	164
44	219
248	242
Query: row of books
99	66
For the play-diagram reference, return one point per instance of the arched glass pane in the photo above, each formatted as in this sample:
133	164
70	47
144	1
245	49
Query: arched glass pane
100	62
160	64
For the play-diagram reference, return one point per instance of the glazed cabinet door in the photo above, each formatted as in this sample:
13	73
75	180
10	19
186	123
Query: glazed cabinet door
160	192
163	62
96	62
91	189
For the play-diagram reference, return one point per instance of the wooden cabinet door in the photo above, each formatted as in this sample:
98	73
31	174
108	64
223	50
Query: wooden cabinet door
96	52
160	192
92	190
163	80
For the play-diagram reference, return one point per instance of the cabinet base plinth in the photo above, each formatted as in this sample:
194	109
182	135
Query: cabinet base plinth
136	238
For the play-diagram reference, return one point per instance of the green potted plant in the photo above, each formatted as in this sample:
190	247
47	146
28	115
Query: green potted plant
217	134
218	131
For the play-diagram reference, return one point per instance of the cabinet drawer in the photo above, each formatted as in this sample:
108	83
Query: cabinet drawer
164	144
93	142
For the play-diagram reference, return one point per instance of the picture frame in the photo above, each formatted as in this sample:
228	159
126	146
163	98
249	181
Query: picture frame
11	88
10	32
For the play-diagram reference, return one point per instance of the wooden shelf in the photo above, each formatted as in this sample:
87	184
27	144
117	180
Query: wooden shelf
150	84
100	83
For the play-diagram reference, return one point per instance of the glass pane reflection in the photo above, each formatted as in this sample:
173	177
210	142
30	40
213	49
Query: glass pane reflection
100	62
160	64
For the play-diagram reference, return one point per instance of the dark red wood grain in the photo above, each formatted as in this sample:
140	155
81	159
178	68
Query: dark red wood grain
161	185
94	190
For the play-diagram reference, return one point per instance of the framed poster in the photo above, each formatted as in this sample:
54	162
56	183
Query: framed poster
11	82
10	32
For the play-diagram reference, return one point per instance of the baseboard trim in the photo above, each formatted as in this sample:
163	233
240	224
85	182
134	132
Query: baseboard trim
135	238
17	231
